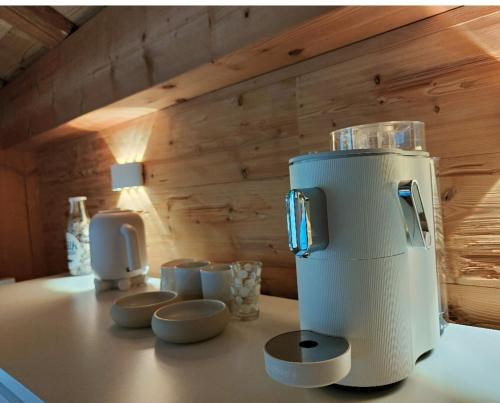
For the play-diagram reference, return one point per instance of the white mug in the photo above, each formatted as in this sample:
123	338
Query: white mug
188	279
216	282
167	272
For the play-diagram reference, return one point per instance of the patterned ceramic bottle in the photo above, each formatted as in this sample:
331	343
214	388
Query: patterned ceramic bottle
77	237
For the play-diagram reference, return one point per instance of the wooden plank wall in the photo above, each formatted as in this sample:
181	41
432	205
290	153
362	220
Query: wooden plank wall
22	253
216	166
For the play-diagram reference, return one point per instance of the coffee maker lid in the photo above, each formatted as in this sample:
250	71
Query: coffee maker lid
307	359
393	135
326	155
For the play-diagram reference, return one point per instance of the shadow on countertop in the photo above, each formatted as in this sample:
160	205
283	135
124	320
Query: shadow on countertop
353	394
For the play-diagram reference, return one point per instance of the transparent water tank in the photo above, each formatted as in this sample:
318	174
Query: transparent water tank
403	135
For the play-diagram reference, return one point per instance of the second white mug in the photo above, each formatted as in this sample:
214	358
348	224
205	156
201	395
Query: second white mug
167	272
216	282
188	279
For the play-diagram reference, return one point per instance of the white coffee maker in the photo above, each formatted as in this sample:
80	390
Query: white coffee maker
361	224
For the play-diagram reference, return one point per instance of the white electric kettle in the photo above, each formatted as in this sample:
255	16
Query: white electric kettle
118	249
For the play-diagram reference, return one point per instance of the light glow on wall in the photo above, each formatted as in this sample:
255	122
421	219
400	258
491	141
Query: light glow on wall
129	143
129	146
137	199
109	116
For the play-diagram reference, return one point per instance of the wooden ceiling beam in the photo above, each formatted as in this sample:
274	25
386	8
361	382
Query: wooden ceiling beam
42	23
131	61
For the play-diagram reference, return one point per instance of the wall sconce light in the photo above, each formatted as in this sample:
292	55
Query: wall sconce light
124	176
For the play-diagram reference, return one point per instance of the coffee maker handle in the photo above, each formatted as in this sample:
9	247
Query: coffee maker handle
131	238
417	226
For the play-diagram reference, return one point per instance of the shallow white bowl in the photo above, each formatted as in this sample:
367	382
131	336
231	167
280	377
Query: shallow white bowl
136	310
190	321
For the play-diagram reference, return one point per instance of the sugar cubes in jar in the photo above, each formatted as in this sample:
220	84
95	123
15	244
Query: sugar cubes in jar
245	289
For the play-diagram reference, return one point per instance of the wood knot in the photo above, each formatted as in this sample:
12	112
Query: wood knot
448	194
295	52
437	108
168	86
171	142
240	100
377	80
180	100
244	173
246	14
144	37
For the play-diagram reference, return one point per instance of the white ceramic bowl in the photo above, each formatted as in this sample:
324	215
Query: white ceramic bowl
190	321
136	310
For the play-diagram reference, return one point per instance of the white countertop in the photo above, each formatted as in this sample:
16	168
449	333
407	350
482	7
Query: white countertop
58	339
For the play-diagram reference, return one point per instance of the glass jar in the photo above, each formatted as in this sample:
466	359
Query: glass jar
403	135
245	289
77	237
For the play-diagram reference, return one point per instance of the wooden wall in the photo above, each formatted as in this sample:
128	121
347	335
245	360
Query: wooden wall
216	166
21	249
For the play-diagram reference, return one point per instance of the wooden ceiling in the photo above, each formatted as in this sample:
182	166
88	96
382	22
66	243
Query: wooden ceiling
133	61
26	33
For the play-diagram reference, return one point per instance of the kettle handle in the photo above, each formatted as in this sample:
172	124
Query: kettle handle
132	245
